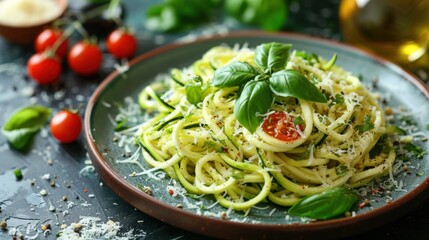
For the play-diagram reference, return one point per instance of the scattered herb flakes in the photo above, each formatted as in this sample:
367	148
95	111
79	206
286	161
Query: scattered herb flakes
341	170
407	120
339	99
366	126
417	151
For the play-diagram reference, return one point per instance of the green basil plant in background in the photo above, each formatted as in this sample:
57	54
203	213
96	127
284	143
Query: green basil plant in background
176	15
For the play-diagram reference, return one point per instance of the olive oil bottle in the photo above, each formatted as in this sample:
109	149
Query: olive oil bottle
395	29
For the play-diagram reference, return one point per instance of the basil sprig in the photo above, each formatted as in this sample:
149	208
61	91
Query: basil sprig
260	84
325	205
23	124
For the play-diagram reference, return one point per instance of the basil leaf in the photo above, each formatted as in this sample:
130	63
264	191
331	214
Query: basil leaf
194	93
256	98
194	90
23	124
272	56
325	205
234	74
291	83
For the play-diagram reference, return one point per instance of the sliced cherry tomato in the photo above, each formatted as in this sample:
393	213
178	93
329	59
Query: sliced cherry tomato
85	58
121	43
48	38
66	126
280	125
43	68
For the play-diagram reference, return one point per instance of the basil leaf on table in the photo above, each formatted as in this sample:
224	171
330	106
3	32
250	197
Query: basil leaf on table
234	74
254	100
291	83
273	56
325	205
23	124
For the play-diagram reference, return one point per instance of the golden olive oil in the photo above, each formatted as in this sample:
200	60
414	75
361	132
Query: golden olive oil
395	29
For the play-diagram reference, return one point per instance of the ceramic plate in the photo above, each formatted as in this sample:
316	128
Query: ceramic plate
266	221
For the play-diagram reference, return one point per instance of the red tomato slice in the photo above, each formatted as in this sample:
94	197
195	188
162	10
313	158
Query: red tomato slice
280	125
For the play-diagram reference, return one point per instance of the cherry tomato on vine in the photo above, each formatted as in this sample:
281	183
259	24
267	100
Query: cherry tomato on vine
66	126
121	43
44	69
48	38
85	58
281	126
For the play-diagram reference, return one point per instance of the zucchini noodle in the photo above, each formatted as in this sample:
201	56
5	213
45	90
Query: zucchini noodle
206	149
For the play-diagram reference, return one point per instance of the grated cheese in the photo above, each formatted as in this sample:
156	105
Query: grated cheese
28	12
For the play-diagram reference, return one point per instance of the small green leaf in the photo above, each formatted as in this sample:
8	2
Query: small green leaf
234	74
328	204
273	56
366	126
291	83
194	90
255	100
23	124
427	127
330	63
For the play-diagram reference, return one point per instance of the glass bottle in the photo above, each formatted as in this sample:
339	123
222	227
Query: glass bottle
395	29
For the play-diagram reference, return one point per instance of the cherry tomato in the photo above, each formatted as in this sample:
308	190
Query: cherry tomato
85	58
48	38
66	126
121	43
280	125
44	69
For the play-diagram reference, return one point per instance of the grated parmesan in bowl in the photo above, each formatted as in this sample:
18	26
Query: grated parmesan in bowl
22	20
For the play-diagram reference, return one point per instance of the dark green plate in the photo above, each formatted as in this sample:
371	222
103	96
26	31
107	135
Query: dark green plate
265	221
